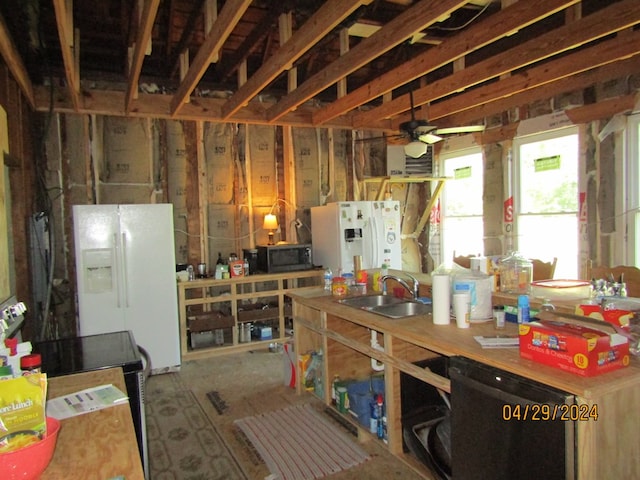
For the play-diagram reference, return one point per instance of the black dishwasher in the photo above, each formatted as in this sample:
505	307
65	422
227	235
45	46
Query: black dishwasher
490	436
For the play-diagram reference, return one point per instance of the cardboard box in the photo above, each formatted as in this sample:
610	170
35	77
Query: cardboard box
574	348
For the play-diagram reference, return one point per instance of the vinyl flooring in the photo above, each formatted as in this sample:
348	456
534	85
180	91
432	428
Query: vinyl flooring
243	384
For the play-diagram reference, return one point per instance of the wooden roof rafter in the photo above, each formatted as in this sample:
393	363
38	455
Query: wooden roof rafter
501	24
611	19
402	27
15	64
69	46
251	43
328	16
147	19
230	15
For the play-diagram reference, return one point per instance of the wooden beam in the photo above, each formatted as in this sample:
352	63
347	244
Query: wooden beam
449	113
322	22
402	27
14	63
64	21
251	43
498	25
229	16
187	33
145	29
616	17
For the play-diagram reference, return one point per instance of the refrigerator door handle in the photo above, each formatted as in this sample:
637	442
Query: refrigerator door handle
117	266
125	283
375	241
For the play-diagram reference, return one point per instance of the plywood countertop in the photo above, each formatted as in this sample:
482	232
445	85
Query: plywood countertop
101	444
449	340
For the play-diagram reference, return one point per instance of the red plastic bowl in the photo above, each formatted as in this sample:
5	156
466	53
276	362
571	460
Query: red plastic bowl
29	462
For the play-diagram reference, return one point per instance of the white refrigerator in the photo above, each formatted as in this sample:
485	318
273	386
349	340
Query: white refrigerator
125	270
342	230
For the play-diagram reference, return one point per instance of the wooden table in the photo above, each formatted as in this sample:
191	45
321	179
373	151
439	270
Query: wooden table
99	445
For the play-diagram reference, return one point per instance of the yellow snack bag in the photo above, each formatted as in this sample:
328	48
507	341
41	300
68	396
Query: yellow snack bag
22	411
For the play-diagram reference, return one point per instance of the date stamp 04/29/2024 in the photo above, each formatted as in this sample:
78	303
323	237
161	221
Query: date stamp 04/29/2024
544	412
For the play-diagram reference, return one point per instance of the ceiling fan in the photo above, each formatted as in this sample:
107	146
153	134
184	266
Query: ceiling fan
422	133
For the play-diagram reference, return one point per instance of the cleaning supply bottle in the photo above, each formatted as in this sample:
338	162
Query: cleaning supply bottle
523	309
376	413
380	413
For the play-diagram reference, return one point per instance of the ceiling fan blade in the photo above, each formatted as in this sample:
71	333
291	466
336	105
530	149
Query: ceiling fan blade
462	129
429	138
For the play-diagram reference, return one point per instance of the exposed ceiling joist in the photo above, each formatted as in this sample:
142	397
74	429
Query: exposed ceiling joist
147	19
497	26
506	48
229	16
320	24
412	20
611	19
15	63
69	48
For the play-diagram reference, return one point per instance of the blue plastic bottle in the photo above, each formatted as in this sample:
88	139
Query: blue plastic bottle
523	309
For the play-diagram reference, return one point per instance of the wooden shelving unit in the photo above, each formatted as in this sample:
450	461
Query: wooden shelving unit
209	305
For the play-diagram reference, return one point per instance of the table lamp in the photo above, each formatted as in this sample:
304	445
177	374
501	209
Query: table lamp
271	224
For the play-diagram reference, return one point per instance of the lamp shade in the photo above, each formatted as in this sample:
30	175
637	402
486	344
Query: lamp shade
270	222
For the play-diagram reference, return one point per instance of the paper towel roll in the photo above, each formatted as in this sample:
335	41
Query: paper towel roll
441	293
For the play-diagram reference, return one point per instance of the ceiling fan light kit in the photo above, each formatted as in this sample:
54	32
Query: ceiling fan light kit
416	149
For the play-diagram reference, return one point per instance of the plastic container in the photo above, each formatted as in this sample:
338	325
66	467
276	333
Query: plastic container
561	289
30	364
339	287
523	309
361	394
28	463
499	316
516	274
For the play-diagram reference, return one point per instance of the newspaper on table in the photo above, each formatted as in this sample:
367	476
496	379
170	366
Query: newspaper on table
85	401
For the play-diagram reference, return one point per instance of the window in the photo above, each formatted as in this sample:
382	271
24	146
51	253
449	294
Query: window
462	223
546	200
633	197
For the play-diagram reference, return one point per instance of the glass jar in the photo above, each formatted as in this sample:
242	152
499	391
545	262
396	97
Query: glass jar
516	274
339	287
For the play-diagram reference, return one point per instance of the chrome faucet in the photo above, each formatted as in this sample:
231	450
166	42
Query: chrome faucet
415	293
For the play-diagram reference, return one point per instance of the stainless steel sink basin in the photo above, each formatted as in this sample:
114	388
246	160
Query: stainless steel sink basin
370	301
403	309
387	305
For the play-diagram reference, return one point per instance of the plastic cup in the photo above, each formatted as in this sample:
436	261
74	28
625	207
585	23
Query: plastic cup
462	308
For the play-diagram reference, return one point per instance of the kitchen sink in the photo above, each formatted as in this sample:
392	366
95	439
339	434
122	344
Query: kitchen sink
403	309
370	301
387	305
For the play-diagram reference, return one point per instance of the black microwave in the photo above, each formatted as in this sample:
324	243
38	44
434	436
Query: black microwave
284	257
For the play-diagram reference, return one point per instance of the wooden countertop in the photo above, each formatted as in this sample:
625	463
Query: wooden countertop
100	444
449	340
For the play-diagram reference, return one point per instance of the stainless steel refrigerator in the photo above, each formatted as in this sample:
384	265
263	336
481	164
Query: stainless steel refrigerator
125	269
342	230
